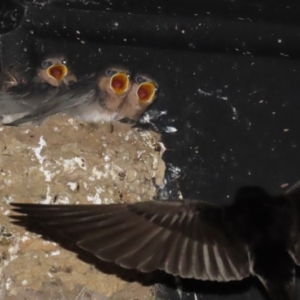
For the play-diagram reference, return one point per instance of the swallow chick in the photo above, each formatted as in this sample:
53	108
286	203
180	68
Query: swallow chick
54	70
52	75
112	88
15	75
142	94
257	235
95	98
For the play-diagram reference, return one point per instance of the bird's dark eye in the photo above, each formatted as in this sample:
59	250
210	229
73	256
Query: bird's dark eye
140	79
110	72
64	61
22	80
46	64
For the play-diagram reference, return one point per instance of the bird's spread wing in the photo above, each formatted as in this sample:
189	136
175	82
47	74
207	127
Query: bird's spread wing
188	239
80	92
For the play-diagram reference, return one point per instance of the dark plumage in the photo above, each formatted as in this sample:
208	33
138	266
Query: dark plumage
256	235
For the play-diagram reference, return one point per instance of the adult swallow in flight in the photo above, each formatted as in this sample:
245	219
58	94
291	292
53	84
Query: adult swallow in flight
257	235
95	98
52	75
142	94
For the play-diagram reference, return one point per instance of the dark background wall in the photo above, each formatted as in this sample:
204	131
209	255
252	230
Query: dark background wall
229	83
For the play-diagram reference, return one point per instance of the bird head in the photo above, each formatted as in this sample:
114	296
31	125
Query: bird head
15	75
116	82
55	71
145	90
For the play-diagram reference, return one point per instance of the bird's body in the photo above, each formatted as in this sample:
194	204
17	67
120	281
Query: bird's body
95	98
257	235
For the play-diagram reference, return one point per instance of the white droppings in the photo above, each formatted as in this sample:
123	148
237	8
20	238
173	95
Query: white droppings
77	31
37	151
54	253
13	250
139	153
286	129
25	238
170	129
70	165
279	41
225	98
234	111
97	173
72	185
94	199
201	92
49	243
62	200
24	282
106	158
8	283
48	198
6	213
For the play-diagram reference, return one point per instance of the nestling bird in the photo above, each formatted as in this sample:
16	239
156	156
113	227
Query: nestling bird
55	71
142	94
95	98
52	75
15	75
257	235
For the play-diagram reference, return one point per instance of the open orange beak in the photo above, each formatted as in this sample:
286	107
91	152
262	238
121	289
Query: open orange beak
57	71
119	83
146	92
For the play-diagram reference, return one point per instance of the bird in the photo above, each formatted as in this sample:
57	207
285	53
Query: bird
142	94
257	235
51	75
14	75
55	70
95	98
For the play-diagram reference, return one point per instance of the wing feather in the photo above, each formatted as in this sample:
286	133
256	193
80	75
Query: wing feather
190	239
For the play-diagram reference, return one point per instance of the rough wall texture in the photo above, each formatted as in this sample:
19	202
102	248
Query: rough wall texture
63	161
